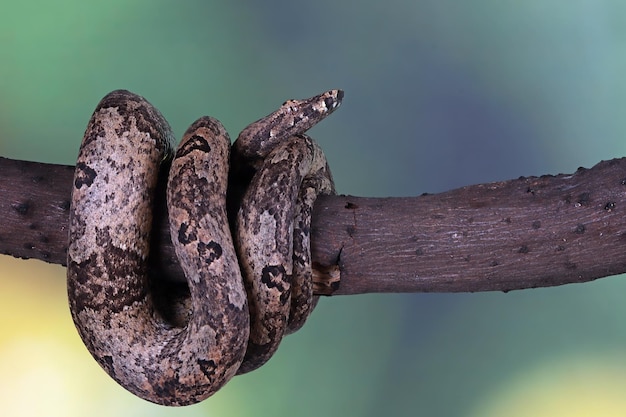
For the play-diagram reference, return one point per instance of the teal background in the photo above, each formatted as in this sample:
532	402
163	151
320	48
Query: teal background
439	94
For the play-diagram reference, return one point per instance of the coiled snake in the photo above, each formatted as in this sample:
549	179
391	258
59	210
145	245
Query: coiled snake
232	322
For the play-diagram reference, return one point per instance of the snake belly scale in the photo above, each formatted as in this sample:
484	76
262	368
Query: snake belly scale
232	323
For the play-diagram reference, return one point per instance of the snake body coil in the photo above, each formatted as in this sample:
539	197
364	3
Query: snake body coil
233	324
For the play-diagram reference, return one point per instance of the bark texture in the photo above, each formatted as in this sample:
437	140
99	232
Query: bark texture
523	233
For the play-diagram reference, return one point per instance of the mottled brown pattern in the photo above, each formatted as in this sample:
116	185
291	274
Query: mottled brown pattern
199	174
111	208
183	353
274	218
294	117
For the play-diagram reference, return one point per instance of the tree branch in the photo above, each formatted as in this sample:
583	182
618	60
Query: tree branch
523	233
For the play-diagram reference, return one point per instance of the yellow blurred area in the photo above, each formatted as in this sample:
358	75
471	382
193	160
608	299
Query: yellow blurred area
573	386
44	368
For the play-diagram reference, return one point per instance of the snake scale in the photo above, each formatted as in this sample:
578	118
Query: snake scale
249	274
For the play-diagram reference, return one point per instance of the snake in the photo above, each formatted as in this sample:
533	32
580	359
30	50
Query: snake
248	273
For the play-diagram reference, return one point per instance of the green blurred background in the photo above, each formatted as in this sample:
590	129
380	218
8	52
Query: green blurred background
439	94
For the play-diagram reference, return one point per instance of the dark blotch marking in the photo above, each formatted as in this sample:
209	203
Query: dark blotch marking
169	388
208	368
560	248
196	142
609	206
419	251
107	363
351	230
210	251
274	276
21	208
184	236
28	246
85	175
494	263
65	205
523	249
507	220
124	287
536	224
580	229
103	236
351	206
530	190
